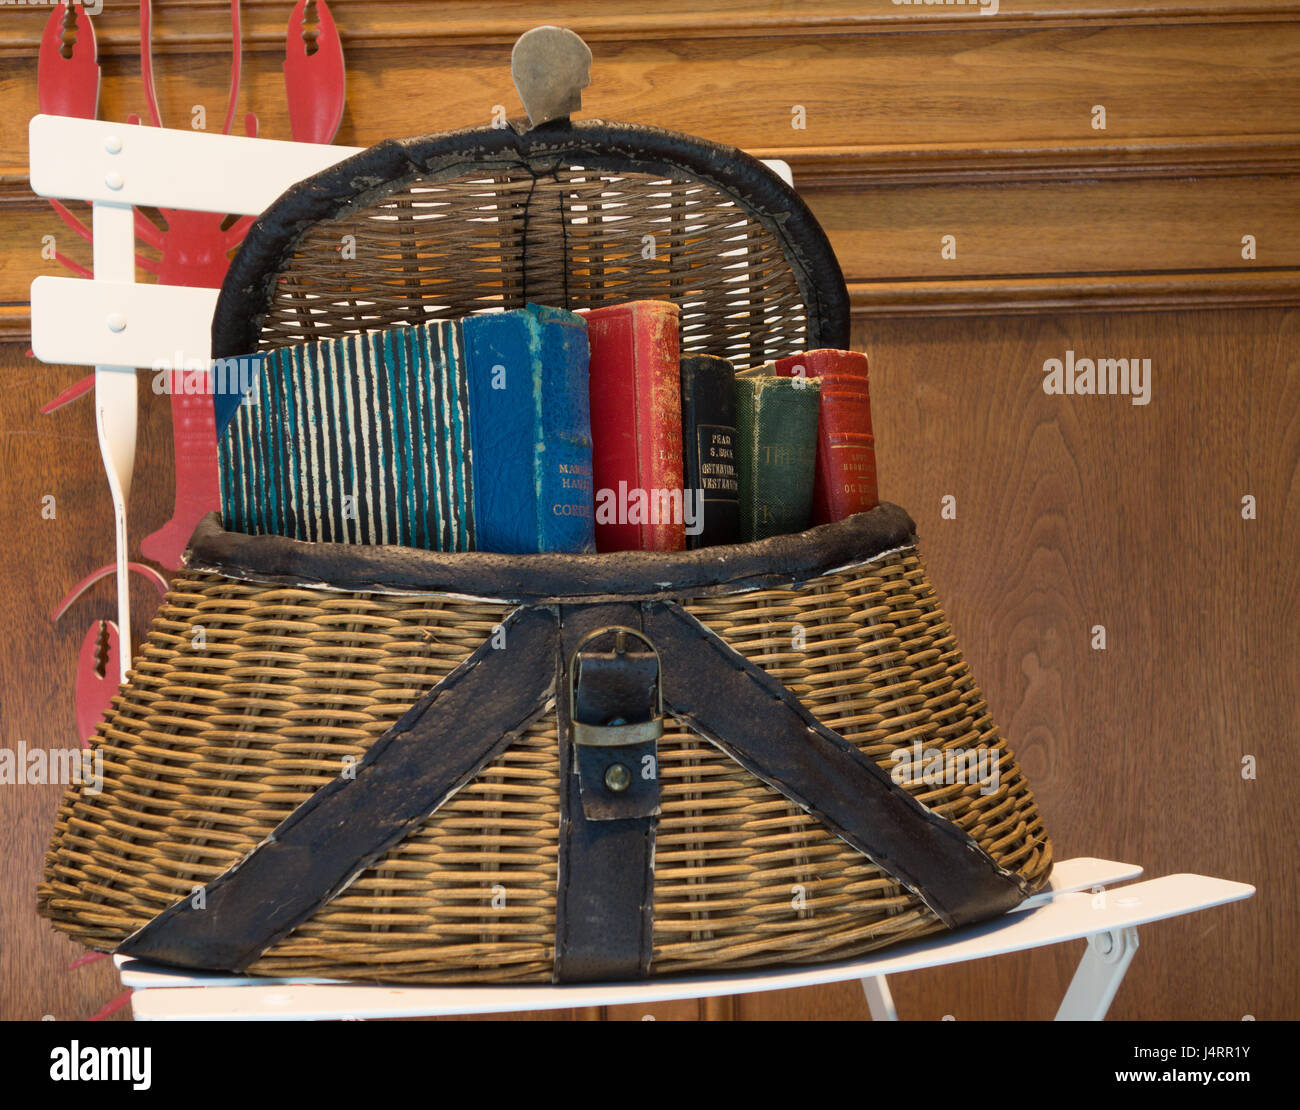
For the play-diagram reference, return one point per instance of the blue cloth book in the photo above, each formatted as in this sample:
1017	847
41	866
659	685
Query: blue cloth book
452	436
359	439
530	430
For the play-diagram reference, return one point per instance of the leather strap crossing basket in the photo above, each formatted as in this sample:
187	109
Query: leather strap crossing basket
390	764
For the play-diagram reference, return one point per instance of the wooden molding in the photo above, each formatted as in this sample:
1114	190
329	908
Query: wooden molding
184	26
1006	296
15	323
1086	293
852	167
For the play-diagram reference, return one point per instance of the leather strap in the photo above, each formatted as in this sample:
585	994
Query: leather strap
604	910
618	686
438	746
757	721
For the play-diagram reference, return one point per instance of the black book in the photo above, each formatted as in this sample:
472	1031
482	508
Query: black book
709	450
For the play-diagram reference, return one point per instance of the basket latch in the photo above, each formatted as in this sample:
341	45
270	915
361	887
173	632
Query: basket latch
616	716
550	66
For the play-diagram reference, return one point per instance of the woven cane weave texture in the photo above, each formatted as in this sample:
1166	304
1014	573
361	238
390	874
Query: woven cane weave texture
248	698
579	238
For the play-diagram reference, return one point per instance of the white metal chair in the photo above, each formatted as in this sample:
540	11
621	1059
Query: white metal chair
125	326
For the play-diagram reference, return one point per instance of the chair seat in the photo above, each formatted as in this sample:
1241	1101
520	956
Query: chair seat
1068	910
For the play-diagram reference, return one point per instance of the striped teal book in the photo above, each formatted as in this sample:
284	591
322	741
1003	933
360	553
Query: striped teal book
360	439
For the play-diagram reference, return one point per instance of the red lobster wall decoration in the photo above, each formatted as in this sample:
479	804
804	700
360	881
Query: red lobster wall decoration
195	249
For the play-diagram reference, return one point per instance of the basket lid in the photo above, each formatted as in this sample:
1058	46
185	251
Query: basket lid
570	214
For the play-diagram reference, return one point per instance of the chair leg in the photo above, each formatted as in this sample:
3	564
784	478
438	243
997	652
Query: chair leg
1100	972
879	1000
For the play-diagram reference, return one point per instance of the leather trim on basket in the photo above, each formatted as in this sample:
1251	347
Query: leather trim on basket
604	901
604	913
757	721
595	144
614	576
438	746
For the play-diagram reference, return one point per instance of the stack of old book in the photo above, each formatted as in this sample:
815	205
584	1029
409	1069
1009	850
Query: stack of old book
543	430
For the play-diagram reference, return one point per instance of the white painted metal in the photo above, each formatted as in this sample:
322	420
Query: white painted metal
879	999
74	159
113	228
120	322
1083	873
1098	976
1069	916
141	976
1080	873
121	163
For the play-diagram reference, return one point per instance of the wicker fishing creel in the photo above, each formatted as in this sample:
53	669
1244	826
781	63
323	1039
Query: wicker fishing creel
218	739
359	762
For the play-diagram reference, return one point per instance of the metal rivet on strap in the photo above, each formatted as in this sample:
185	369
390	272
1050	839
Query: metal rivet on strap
617	777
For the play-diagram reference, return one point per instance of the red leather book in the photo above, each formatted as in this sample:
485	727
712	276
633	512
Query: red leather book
845	479
636	427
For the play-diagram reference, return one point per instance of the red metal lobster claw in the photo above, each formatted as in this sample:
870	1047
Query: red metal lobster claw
99	663
67	72
98	674
142	569
314	80
77	389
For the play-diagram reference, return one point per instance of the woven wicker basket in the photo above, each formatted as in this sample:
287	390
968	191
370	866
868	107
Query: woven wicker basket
280	678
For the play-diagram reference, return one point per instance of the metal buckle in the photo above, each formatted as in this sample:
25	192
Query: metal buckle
618	733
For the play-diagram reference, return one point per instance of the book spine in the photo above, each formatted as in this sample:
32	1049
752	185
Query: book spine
709	443
823	362
527	371
562	462
503	376
776	434
448	453
845	481
636	421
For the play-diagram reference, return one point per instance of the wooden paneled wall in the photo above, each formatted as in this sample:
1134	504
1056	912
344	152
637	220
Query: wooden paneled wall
918	122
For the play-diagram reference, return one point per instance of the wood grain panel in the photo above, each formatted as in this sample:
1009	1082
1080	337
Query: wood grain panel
929	87
1082	510
183	25
1075	292
1138	225
1072	511
1077	159
891	236
909	137
56	455
1077	511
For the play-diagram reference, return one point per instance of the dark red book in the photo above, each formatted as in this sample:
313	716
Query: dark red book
636	427
845	479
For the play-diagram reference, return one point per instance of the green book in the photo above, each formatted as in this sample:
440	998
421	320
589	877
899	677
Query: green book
776	453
